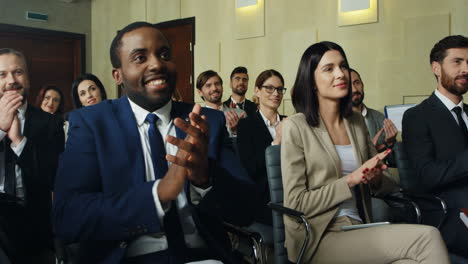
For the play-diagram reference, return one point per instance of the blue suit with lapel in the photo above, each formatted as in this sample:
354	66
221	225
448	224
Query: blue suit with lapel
101	196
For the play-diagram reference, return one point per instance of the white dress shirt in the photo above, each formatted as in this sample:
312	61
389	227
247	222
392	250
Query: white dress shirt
18	149
157	242
450	105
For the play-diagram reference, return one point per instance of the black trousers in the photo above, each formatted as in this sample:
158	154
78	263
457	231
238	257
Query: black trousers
22	237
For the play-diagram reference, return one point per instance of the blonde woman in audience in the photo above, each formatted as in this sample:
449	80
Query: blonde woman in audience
330	167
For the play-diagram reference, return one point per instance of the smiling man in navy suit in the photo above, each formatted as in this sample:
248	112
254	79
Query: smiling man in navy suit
144	179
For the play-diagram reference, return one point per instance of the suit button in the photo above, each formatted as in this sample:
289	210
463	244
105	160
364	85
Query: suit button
123	245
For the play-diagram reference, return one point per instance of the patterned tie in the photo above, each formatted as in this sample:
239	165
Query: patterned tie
172	227
10	167
458	111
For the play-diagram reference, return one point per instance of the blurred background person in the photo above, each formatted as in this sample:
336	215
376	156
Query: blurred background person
255	134
87	90
50	100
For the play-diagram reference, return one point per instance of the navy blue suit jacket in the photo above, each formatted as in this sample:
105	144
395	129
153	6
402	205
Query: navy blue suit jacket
101	196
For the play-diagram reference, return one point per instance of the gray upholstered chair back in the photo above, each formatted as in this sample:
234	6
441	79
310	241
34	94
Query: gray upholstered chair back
273	165
408	179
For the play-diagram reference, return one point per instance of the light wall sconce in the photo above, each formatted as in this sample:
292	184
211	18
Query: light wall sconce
355	12
244	3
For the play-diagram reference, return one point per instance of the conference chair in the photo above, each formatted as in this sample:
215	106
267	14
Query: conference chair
433	208
273	165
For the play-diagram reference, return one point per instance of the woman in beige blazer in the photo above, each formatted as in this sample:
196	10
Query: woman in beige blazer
330	167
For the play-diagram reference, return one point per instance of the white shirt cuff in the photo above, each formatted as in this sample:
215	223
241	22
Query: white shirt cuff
161	209
2	134
18	149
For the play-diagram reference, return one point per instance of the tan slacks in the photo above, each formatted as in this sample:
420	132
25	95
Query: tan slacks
394	243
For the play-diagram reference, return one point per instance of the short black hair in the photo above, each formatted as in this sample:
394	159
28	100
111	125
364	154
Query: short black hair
304	92
76	83
239	69
205	76
117	41
439	51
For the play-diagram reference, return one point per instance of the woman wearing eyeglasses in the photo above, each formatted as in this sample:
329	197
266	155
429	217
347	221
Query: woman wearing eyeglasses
256	132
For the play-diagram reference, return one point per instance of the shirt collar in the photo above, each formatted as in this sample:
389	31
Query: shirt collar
447	102
220	108
22	111
163	113
267	122
364	110
232	99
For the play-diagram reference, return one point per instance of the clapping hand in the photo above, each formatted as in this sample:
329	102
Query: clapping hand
369	171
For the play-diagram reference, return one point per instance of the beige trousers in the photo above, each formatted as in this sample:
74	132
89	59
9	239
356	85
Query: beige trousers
394	243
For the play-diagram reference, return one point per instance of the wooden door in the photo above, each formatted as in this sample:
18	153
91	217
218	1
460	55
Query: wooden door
53	57
181	36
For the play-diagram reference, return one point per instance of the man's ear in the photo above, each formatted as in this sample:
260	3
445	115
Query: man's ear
436	69
117	74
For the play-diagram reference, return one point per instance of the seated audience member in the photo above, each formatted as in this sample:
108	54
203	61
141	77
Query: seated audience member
210	89
239	85
50	100
30	143
436	138
330	167
88	90
259	131
382	131
144	179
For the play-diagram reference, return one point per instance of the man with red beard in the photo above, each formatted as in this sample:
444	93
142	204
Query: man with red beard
239	86
210	89
436	138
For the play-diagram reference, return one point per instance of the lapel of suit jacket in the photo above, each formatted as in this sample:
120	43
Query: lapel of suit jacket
128	124
260	124
322	132
29	120
178	110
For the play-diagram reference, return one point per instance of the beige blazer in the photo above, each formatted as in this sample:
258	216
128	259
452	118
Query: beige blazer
312	181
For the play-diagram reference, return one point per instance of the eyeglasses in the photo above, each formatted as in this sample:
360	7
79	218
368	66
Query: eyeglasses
271	89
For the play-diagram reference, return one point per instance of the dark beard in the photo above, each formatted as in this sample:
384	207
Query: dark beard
450	85
241	93
357	103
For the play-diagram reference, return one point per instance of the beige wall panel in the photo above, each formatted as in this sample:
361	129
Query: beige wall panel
420	35
250	20
108	16
162	10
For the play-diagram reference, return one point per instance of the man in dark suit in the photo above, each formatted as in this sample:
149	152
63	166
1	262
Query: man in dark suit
239	86
436	139
30	143
144	179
